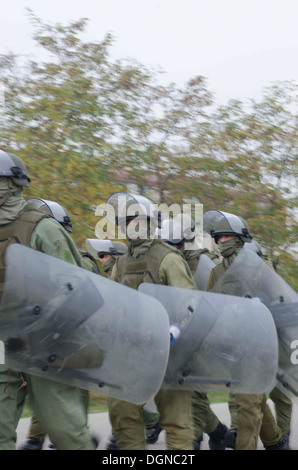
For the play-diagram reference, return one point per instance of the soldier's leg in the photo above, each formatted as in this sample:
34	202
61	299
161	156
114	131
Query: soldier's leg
12	397
270	433
175	409
35	430
35	437
127	424
283	409
152	427
233	411
111	444
202	407
204	419
62	412
249	420
232	432
151	419
197	415
210	422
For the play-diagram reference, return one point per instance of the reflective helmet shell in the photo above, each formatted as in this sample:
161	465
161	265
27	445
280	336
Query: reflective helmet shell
56	210
224	223
13	167
95	246
171	232
129	206
177	229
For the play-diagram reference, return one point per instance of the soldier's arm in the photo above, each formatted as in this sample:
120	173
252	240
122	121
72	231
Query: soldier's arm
174	271
51	238
88	262
113	275
210	282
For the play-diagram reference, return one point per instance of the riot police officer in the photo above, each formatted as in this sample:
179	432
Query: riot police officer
180	232
61	410
36	434
149	260
254	416
106	251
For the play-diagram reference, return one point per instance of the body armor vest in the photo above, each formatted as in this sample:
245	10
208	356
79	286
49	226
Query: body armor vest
192	261
132	273
218	271
192	257
18	231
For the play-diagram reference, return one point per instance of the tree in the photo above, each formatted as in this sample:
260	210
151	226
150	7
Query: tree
259	149
86	127
58	119
154	144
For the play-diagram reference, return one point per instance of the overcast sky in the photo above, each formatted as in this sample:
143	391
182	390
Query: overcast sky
240	46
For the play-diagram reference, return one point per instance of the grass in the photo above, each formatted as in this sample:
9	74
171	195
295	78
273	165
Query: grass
98	403
218	397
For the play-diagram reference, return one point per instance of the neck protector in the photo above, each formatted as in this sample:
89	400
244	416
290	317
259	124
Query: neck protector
11	201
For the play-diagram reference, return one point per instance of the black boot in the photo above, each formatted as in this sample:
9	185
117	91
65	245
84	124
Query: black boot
112	445
31	444
231	438
217	439
197	443
282	444
52	447
152	434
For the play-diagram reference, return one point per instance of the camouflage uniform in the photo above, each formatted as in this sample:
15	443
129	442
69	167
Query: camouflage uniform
254	417
60	409
36	435
204	419
153	261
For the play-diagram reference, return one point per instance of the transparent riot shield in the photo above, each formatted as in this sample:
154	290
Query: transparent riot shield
201	274
250	276
65	323
225	342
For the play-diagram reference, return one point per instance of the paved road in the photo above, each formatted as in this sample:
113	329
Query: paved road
99	423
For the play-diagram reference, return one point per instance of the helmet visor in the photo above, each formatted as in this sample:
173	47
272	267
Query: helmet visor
223	222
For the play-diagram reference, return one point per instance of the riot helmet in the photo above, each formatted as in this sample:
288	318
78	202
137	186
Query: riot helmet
53	208
13	167
97	246
171	232
224	223
178	229
127	207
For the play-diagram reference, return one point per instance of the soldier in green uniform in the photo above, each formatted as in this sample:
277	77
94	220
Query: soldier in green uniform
180	232
150	260
254	417
36	435
283	404
283	409
61	410
107	251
